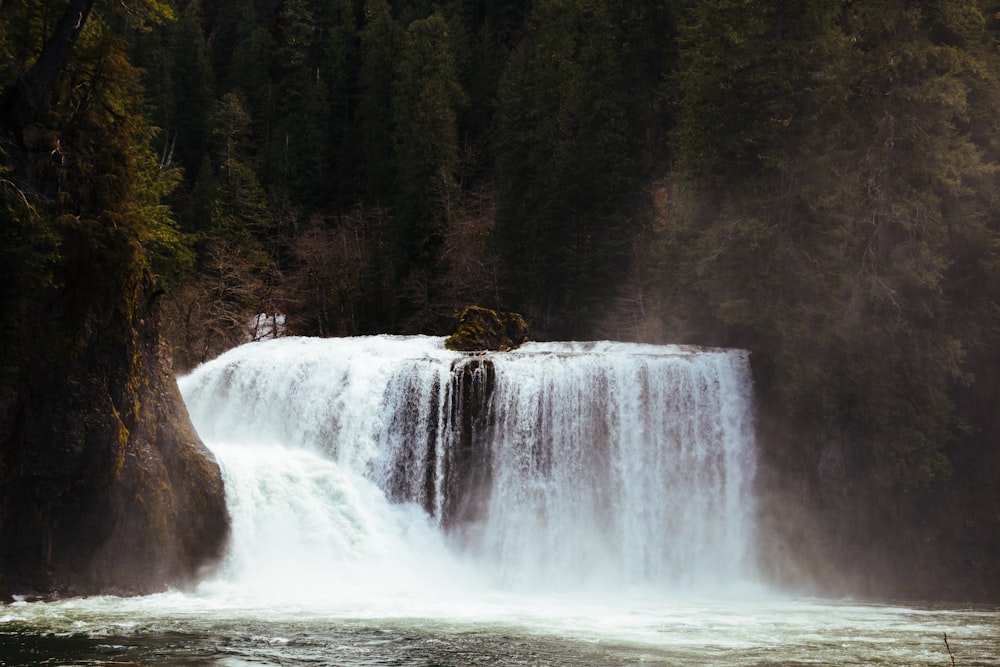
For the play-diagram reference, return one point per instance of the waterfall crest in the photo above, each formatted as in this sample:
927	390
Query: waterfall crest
558	465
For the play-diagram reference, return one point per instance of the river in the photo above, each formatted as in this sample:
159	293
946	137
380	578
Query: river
395	503
204	628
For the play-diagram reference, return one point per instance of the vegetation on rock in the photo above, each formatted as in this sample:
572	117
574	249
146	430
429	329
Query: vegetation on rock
481	329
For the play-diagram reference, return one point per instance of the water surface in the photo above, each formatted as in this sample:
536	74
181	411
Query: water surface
205	629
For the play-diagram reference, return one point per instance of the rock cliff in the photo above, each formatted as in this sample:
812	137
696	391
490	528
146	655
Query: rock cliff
104	485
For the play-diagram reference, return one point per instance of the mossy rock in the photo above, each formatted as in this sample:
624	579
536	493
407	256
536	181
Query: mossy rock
481	329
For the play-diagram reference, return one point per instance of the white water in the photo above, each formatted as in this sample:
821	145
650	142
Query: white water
602	467
612	524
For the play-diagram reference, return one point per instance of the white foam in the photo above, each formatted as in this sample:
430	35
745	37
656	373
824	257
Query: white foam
612	466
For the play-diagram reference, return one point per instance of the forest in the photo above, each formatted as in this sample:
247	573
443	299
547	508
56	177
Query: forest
814	181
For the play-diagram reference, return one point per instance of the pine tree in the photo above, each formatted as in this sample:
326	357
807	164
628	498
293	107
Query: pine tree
567	166
819	230
339	63
234	262
187	128
252	69
425	97
297	160
380	41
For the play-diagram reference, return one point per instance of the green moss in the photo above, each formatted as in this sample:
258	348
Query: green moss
482	329
124	436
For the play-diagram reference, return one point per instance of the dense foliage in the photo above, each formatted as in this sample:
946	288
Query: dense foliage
815	181
406	159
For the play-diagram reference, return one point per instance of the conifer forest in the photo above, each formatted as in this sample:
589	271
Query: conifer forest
817	182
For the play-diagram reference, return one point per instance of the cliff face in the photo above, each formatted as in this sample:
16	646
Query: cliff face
104	486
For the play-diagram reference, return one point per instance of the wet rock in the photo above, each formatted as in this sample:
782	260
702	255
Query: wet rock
105	488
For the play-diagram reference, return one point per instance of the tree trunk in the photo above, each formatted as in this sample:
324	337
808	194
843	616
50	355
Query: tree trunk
27	99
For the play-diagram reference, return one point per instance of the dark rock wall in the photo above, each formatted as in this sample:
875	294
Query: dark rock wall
104	485
468	467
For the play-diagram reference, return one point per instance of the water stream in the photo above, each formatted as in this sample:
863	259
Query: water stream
395	503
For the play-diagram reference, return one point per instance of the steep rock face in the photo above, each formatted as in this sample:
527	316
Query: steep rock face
104	486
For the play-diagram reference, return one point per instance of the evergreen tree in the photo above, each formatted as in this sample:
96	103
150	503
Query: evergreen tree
187	125
380	41
252	70
299	149
241	205
339	62
819	229
232	283
425	97
484	35
566	163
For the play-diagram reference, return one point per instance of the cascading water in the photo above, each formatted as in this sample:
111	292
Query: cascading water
378	462
620	465
563	504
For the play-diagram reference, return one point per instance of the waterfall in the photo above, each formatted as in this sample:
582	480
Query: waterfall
558	466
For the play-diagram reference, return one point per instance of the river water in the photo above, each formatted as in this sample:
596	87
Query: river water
394	503
206	629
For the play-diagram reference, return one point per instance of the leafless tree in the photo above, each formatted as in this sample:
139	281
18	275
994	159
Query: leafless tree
213	312
331	258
